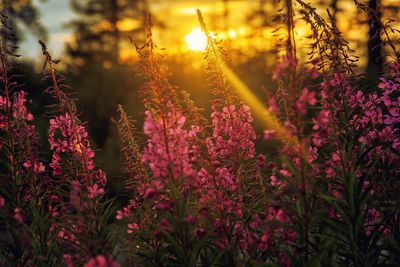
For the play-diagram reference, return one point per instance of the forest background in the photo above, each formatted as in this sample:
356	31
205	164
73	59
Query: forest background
94	38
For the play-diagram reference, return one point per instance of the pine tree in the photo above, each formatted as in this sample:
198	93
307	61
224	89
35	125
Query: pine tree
99	75
99	29
20	12
375	59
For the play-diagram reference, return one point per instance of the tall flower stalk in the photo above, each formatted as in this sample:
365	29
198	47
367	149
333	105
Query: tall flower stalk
197	190
79	222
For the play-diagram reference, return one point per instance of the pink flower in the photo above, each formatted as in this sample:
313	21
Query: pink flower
273	106
165	205
101	261
95	191
277	214
66	135
38	167
269	134
18	215
226	179
2	201
263	243
275	181
132	227
68	139
170	146
396	144
261	161
322	120
372	218
312	154
200	232
19	110
126	211
69	260
285	173
306	98
165	225
233	134
288	62
149	193
385	230
120	215
27	164
190	219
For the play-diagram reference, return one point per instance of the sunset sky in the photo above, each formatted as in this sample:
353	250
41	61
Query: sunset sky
183	33
56	14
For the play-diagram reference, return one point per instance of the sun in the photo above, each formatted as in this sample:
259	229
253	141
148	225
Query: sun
196	40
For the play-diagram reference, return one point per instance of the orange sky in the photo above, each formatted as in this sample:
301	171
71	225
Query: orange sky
182	32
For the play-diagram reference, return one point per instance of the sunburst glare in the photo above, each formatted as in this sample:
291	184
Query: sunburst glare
196	40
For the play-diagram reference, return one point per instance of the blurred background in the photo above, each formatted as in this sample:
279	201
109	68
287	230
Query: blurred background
101	64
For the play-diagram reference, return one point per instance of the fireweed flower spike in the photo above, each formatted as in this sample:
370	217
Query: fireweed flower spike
198	190
79	218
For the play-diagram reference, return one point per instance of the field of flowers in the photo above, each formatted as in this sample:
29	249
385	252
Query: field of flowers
200	191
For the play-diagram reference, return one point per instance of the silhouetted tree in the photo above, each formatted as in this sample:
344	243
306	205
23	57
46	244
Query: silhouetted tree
375	59
259	18
99	77
97	30
21	12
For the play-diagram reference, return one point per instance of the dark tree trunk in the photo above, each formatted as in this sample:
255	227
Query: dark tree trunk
335	9
290	24
375	59
114	17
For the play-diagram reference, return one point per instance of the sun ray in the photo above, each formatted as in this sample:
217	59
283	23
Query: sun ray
258	108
